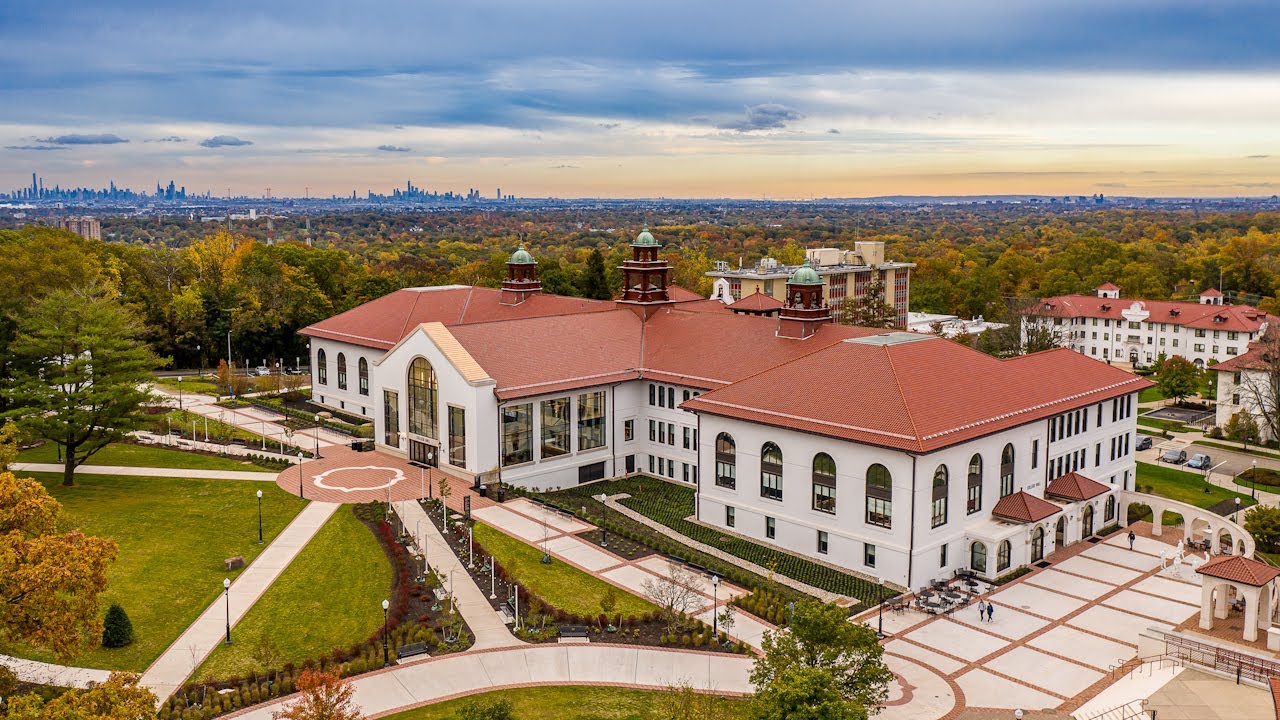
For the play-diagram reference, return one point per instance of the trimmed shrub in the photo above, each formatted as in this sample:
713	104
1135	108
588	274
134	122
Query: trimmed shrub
117	630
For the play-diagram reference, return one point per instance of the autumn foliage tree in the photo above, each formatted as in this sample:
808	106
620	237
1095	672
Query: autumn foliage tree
321	696
119	698
50	581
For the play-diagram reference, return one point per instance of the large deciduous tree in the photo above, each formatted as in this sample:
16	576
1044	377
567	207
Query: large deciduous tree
1177	378
80	372
119	698
822	662
321	696
49	581
1242	428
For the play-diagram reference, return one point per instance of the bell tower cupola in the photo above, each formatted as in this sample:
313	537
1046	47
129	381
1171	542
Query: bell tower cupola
644	276
804	309
522	278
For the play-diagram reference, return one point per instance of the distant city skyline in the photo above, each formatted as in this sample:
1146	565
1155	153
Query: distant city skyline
664	99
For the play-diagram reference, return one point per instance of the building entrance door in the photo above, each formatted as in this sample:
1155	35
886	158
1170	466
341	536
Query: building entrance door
1060	534
424	453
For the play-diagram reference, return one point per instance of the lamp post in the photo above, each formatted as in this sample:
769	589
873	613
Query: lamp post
471	546
231	369
386	655
279	379
317	453
259	517
604	534
880	603
226	592
715	605
300	493
493	581
1237	513
180	394
1253	477
201	354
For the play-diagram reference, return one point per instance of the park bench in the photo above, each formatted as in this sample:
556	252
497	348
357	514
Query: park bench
417	648
574	631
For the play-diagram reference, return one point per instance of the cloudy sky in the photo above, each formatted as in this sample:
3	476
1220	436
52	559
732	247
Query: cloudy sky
577	98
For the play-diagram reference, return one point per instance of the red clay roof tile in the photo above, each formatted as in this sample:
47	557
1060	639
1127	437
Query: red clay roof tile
1022	506
1074	486
1239	568
1235	318
757	301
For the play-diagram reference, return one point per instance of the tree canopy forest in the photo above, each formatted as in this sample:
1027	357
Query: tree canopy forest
191	282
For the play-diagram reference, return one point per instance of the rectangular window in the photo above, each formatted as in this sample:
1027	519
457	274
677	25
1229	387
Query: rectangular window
457	437
1097	454
688	438
628	430
942	554
555	427
517	434
729	516
770	528
671	434
1199	333
685	468
653	431
391	418
770	484
869	555
1199	347
822	542
591	420
1035	453
652	392
671	397
1231	350
879	511
1175	342
686	394
662	433
1233	335
652	463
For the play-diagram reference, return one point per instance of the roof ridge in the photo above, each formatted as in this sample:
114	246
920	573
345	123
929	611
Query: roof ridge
906	407
405	328
462	314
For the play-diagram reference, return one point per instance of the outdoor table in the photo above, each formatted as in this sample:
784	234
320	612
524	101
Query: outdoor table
950	595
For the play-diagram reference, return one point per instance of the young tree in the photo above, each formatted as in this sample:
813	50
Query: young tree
1177	378
871	310
49	581
80	373
805	693
117	629
321	696
1263	523
594	282
8	445
119	698
676	595
820	651
1242	428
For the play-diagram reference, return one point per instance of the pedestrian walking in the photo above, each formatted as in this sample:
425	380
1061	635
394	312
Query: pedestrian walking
1132	537
991	609
982	609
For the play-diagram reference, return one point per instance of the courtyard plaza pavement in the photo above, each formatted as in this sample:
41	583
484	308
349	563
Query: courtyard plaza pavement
343	475
1056	635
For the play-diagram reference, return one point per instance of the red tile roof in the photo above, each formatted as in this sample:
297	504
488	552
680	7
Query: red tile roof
1241	569
680	295
1275	694
1236	318
1107	286
1022	506
704	305
1074	486
915	392
1211	292
757	301
383	322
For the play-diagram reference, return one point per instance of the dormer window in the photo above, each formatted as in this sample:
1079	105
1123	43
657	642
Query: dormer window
1106	307
1175	311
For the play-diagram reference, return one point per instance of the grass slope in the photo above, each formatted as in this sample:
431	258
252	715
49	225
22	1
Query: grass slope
173	536
130	455
330	596
1185	486
562	585
568	703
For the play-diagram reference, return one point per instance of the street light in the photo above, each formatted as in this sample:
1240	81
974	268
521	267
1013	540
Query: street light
180	395
880	603
386	656
1237	514
300	493
1253	484
226	592
259	517
201	361
604	534
317	435
715	603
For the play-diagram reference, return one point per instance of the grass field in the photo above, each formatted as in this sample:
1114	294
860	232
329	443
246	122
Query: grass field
330	596
561	585
131	455
1151	394
572	703
173	535
189	386
1185	486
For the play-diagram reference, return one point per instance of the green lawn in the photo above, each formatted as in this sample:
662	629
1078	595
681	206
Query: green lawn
572	703
131	455
1170	425
561	585
1187	487
330	596
207	386
1151	394
173	536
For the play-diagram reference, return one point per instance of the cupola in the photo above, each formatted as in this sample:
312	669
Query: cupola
522	278
804	308
644	276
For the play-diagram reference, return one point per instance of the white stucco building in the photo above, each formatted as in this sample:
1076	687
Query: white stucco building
891	454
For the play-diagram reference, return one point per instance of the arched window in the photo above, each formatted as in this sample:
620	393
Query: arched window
974	486
342	371
1086	521
422	399
941	484
879	496
726	461
1006	471
978	557
1109	509
771	471
1002	556
364	376
1037	544
824	483
322	367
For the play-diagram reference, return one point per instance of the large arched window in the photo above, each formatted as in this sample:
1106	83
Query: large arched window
879	496
322	367
1002	556
978	557
342	371
422	399
973	502
364	376
1006	471
941	484
824	483
771	471
726	461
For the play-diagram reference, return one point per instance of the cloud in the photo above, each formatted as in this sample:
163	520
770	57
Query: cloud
833	131
169	139
394	148
1256	157
766	116
218	141
564	167
34	147
83	139
609	126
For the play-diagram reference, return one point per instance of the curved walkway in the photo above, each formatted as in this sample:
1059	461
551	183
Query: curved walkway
404	687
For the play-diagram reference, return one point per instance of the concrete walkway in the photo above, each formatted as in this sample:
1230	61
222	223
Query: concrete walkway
34	671
408	686
176	664
488	627
151	472
255	420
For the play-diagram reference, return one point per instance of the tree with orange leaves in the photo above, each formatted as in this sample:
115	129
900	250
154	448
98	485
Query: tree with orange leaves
321	696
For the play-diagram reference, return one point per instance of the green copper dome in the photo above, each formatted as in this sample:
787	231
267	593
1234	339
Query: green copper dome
645	237
521	257
805	276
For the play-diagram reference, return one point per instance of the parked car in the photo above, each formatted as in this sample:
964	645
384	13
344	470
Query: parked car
262	370
1174	456
1200	461
1144	442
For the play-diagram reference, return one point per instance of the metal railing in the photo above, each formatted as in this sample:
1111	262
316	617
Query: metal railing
1127	711
1220	659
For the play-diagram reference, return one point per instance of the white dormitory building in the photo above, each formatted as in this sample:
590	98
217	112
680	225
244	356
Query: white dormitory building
889	454
949	326
1246	383
1106	327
